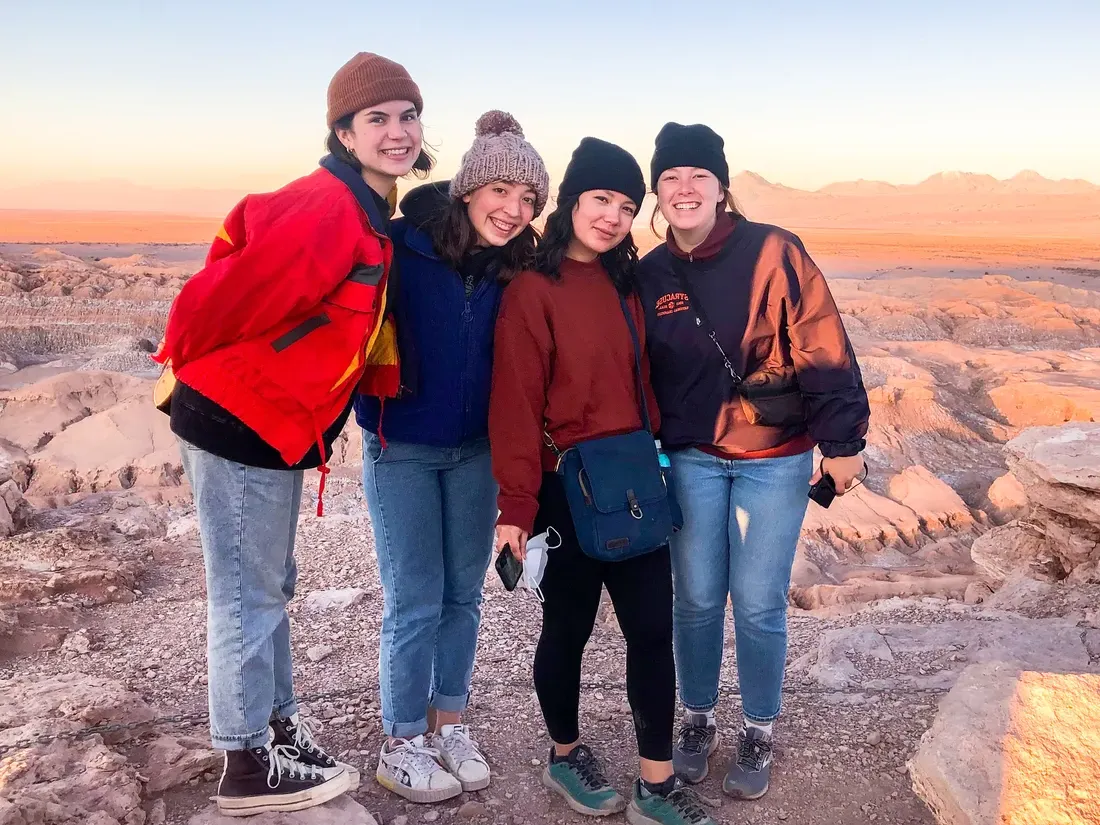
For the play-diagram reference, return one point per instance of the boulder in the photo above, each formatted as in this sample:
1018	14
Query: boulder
1059	535
172	761
1013	746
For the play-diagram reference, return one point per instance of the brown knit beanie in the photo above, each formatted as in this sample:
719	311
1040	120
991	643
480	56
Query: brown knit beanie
500	153
367	80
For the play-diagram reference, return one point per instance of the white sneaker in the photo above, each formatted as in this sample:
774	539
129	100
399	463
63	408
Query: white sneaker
462	758
412	770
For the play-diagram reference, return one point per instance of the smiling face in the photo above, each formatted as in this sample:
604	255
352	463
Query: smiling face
601	221
386	139
689	197
500	210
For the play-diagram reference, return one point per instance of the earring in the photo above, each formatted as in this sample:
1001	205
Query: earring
351	151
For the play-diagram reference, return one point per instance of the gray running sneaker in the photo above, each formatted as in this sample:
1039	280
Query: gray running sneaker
696	742
750	770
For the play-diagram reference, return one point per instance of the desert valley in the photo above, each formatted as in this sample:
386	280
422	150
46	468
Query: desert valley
945	617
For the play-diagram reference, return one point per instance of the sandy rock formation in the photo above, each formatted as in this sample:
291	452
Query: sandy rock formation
994	311
48	577
1059	538
1007	499
129	444
1013	746
931	657
51	273
86	779
940	509
32	416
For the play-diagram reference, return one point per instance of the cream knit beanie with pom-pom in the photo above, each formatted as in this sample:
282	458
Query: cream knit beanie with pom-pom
501	153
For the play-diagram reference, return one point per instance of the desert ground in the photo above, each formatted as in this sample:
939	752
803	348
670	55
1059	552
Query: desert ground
944	663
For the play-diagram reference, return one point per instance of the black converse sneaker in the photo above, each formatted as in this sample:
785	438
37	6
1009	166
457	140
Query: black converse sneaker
269	779
295	733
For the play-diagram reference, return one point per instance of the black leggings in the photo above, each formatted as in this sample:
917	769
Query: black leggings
641	590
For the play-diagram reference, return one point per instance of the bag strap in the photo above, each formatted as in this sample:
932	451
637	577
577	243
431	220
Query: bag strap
702	320
647	424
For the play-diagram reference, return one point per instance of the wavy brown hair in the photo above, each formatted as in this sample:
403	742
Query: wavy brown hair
453	236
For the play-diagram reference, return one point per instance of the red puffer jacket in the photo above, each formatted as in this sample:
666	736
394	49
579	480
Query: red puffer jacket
288	316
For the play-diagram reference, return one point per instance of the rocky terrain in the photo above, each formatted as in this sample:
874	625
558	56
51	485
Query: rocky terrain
945	616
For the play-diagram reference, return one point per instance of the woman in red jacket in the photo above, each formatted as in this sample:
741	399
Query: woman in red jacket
564	372
267	345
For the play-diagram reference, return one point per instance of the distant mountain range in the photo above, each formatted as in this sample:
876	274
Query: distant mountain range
943	183
945	202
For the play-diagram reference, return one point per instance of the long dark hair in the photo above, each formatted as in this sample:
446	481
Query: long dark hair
421	167
621	262
727	199
453	236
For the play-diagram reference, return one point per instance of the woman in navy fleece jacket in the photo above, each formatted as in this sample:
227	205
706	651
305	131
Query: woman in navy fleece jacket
426	469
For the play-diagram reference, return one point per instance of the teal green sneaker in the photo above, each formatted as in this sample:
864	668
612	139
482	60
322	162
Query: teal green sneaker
581	783
681	806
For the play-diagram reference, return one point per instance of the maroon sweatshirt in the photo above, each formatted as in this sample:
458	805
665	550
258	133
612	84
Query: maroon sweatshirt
563	361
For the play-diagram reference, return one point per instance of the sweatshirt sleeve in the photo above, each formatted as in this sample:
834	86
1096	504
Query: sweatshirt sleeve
265	266
517	403
824	361
647	384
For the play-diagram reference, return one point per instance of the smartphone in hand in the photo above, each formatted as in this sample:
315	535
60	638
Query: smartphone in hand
509	568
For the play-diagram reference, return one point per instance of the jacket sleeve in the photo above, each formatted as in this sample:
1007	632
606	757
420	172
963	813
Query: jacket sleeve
824	361
269	262
517	403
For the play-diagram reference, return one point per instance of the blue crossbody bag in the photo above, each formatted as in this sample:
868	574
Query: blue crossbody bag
619	487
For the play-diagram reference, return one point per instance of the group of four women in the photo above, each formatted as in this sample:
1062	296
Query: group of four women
472	352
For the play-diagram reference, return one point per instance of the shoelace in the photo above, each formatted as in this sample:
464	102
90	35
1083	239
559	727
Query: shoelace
462	747
753	752
693	737
588	767
688	804
303	740
282	761
421	759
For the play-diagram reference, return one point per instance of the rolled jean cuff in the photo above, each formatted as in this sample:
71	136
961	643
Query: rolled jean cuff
405	730
763	719
241	743
703	708
286	709
449	704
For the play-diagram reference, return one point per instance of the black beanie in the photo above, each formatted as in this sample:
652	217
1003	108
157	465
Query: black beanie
597	164
697	145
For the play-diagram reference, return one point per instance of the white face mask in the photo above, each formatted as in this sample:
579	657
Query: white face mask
534	565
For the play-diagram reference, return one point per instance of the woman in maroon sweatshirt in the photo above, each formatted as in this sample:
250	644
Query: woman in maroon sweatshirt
751	368
564	366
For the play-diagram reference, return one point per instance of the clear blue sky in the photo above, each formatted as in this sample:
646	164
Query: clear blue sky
232	94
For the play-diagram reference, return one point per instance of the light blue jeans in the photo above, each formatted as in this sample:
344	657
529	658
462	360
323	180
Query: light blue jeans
247	520
433	510
741	526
